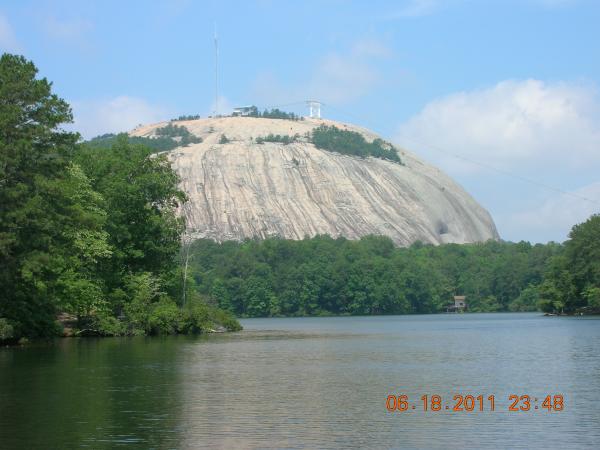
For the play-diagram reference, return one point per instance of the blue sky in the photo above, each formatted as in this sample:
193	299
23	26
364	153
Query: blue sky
493	92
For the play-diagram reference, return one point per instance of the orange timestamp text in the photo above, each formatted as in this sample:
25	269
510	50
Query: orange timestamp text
475	403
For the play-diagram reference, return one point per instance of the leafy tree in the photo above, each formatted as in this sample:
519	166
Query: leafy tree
141	192
51	236
527	300
573	278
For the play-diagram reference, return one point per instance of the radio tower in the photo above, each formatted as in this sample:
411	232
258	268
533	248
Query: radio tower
216	112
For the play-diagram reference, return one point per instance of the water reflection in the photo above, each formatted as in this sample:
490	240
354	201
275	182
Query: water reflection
90	393
306	382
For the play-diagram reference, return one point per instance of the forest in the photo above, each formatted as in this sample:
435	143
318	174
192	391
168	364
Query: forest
88	233
323	276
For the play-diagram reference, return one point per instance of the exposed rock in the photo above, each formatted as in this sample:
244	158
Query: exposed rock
242	189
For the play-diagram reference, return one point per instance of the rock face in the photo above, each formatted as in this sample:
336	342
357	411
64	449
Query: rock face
242	189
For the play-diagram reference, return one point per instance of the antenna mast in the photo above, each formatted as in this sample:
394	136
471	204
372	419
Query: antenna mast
216	113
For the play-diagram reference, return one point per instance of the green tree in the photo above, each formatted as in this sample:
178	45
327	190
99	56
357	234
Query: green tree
141	192
582	261
51	236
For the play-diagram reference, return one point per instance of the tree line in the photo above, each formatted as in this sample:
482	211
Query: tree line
88	233
167	138
322	275
274	113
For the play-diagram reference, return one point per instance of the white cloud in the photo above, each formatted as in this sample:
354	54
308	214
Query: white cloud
421	8
513	124
339	77
555	217
67	29
119	114
369	47
527	130
8	40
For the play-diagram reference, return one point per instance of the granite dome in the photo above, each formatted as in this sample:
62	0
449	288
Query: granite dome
244	189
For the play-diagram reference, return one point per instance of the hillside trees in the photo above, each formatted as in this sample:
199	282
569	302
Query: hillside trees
347	142
179	134
84	230
167	138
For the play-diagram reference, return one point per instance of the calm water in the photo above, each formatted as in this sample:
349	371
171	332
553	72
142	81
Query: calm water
309	382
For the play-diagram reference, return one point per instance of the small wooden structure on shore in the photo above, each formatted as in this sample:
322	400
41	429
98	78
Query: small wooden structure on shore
459	304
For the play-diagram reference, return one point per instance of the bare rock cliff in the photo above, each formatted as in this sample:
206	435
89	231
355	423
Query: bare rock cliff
242	189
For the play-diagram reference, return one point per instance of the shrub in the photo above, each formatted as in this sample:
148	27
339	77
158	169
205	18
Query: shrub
284	139
108	325
178	131
165	318
6	330
227	320
348	142
188	117
223	139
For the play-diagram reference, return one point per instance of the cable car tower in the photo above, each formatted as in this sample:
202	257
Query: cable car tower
314	109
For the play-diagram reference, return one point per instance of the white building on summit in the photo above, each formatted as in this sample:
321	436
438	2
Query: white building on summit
243	110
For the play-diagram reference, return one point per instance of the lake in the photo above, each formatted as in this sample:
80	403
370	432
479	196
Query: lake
312	382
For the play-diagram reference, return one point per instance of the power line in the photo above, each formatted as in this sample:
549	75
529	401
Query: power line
504	172
484	165
452	154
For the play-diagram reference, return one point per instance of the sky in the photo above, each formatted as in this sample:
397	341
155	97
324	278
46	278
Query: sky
503	95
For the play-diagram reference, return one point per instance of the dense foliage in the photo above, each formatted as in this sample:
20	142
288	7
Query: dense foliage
371	276
348	142
86	232
283	139
157	144
166	139
179	134
186	117
572	283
